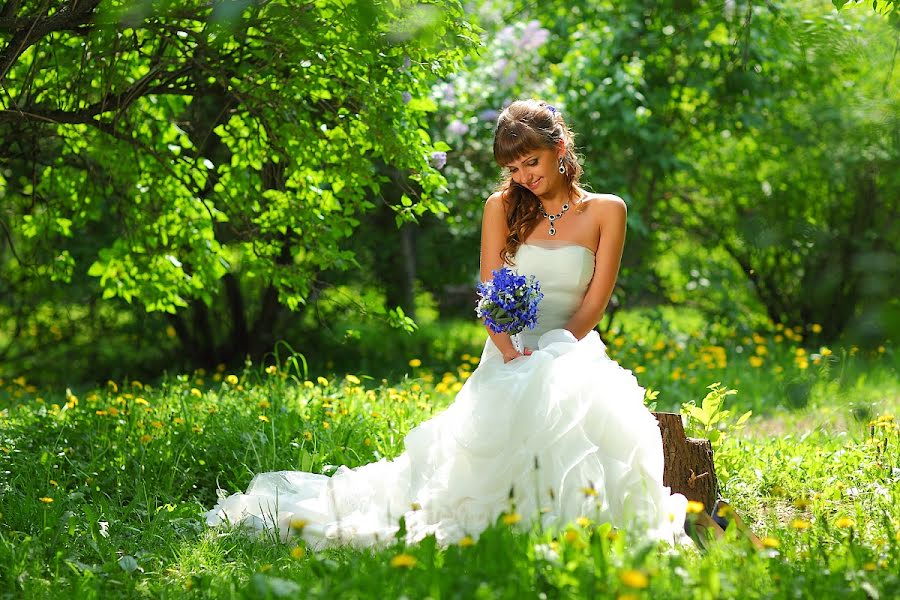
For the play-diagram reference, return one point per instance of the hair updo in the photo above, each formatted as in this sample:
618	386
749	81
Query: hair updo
525	126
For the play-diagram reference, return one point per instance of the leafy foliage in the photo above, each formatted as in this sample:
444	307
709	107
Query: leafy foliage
169	153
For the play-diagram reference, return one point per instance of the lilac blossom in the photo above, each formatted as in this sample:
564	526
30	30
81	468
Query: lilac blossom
489	115
438	160
457	127
406	97
534	36
448	94
507	35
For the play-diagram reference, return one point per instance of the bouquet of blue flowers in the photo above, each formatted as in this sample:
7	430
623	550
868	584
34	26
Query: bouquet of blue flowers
508	302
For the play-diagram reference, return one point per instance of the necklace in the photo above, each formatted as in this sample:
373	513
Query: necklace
553	218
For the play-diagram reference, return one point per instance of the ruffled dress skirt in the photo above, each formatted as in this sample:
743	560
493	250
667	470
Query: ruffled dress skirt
557	435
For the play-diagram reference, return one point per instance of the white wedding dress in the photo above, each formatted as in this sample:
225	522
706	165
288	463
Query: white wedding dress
562	433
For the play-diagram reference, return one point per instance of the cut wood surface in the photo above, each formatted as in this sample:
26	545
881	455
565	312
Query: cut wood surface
689	468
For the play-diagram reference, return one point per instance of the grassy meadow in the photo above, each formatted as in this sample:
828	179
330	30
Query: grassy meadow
102	489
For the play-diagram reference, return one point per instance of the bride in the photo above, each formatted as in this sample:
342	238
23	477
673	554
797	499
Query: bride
553	432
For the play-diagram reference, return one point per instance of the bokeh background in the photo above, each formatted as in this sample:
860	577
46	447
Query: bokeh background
185	185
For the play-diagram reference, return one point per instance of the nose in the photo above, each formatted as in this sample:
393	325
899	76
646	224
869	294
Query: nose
525	176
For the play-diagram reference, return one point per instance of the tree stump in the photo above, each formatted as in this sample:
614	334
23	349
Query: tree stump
689	468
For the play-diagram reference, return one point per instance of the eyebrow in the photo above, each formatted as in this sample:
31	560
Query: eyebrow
523	160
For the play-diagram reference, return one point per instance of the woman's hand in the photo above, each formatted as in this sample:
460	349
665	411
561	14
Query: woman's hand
513	354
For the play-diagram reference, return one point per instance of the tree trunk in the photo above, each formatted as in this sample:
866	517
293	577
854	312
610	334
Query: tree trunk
689	468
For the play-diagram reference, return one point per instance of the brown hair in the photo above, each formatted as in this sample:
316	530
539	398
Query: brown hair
524	126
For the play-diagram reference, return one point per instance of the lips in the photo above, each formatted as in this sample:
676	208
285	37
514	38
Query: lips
535	183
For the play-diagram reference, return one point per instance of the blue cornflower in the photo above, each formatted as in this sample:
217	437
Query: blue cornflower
508	302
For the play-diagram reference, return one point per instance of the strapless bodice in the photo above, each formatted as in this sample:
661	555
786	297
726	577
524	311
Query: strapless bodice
564	272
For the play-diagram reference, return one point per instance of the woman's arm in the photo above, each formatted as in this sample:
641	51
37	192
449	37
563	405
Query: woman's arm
493	239
611	214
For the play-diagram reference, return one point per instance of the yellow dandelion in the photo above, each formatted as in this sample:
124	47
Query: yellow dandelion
264	404
403	561
816	328
640	369
263	418
367	442
511	518
307	435
845	523
825	351
694	507
322	381
298	552
467	542
762	350
571	536
475	360
157	424
415	363
583	521
802	503
146	439
141	402
803	364
197	429
46	500
272	369
326	425
196	393
800	524
870	566
589	491
54	483
102	413
353	379
634	579
756	361
231	380
178	421
299	524
770	542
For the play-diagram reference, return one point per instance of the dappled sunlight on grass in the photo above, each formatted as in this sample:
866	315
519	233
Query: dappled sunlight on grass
104	488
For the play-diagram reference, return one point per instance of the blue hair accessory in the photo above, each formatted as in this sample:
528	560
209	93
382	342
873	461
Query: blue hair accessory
551	108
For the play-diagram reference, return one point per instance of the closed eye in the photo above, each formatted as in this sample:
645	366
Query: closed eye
530	163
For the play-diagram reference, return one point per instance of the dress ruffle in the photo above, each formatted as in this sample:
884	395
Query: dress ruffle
560	434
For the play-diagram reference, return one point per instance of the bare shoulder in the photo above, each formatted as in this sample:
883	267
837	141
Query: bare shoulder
494	200
494	217
604	202
605	208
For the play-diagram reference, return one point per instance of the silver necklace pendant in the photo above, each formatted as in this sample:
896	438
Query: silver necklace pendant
552	218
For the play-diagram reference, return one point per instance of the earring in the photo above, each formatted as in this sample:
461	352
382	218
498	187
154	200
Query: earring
562	167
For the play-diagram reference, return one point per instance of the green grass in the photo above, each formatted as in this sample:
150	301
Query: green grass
102	490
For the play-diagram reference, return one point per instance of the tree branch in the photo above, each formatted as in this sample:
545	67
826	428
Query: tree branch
35	28
110	102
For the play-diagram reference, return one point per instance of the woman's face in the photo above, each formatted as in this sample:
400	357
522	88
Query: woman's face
537	170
